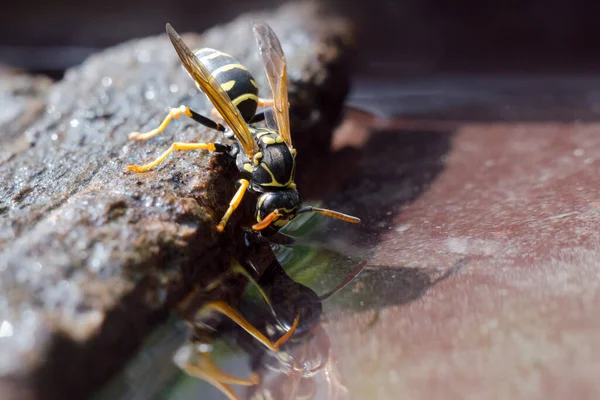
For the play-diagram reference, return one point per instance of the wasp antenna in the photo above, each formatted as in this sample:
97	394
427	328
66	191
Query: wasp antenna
329	213
346	281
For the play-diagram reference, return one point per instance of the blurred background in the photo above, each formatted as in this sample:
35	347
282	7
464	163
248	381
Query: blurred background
397	37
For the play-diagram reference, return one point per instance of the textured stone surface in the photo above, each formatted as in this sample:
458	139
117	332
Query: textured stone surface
92	256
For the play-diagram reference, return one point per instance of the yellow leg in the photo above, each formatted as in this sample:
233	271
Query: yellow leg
203	367
234	203
209	370
174	146
229	312
240	270
173	113
261	103
289	333
265	102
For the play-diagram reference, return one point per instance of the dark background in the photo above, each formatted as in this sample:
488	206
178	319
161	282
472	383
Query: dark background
397	37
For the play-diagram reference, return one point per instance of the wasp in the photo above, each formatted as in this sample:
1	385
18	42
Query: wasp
265	157
288	348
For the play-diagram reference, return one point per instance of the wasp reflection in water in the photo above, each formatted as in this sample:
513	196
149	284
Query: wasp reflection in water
289	315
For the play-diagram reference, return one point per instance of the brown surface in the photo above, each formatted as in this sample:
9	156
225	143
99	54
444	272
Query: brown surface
520	202
92	256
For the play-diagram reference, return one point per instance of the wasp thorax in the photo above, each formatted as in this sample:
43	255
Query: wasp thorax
285	202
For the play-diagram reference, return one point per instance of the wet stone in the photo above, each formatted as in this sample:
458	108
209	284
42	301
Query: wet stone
91	256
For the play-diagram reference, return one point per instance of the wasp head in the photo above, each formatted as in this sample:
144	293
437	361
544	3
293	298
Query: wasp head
276	209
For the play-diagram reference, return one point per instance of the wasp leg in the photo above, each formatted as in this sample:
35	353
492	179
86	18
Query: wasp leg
202	366
240	270
207	122
257	118
175	113
234	203
179	146
289	333
261	103
229	312
265	102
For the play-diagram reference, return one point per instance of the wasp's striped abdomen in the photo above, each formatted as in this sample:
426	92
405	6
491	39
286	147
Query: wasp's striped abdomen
234	78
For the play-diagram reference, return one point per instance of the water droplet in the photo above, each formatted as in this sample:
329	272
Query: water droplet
95	264
54	136
74	123
143	56
6	329
402	228
107	81
578	152
204	348
149	95
50	109
174	88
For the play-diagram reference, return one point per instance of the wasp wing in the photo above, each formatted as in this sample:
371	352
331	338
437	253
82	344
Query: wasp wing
276	69
215	93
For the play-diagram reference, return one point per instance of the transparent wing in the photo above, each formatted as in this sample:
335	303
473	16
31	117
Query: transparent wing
276	69
215	93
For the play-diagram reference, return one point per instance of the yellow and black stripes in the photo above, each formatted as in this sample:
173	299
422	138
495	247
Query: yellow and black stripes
233	78
273	175
286	202
276	165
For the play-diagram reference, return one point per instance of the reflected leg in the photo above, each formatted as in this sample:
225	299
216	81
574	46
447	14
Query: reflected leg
225	309
200	364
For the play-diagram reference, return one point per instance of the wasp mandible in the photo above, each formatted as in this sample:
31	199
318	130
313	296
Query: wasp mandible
265	157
